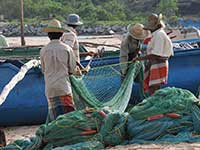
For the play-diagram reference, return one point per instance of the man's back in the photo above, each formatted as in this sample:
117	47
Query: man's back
71	39
57	62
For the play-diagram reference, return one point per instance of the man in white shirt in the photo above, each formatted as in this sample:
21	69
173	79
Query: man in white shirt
58	63
159	50
71	38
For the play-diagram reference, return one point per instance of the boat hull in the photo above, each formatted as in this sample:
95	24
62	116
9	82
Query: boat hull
27	104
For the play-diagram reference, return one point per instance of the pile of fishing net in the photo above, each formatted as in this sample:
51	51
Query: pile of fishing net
171	115
86	129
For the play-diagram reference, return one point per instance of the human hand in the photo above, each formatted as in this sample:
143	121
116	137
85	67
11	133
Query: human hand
135	59
86	69
78	72
91	53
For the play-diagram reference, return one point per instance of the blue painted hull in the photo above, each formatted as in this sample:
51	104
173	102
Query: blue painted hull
27	104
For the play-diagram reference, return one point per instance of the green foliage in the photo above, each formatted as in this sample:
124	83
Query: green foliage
10	9
115	8
168	7
89	10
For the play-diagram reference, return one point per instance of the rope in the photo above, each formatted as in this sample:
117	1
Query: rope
18	77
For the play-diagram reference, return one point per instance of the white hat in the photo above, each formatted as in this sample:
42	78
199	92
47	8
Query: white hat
54	26
137	31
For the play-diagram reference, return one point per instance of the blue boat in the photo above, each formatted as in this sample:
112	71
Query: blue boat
27	104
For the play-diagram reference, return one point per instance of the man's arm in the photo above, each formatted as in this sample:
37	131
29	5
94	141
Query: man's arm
42	61
90	53
150	57
124	57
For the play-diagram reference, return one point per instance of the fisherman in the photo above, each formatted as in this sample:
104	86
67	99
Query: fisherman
131	45
58	63
71	39
159	50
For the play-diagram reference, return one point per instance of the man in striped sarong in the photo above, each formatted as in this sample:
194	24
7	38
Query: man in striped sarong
58	63
159	50
59	105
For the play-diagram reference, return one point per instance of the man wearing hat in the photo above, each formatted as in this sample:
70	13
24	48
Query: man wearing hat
71	39
58	63
159	50
130	45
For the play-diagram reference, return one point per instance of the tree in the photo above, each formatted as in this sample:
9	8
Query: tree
10	9
115	8
87	11
168	8
103	15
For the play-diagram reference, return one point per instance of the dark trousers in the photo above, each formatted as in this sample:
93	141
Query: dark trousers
2	138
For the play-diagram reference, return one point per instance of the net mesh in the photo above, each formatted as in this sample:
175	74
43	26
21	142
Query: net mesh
102	87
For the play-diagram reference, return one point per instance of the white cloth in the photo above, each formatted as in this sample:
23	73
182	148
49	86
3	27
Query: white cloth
197	31
160	44
3	41
57	62
71	39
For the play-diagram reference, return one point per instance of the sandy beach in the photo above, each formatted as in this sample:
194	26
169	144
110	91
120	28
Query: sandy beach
107	39
22	132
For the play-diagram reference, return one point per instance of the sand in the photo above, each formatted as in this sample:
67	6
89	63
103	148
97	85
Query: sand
23	132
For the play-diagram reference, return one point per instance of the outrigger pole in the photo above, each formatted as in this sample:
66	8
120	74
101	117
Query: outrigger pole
22	22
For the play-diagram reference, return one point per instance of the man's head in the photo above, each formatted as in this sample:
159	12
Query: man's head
73	20
55	35
54	29
137	32
154	22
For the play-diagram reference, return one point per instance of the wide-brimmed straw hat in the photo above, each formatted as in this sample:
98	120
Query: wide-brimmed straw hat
74	19
54	26
137	31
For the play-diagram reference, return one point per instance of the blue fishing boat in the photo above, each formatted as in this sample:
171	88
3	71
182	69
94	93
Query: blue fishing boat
27	104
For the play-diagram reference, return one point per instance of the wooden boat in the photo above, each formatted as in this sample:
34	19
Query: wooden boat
27	52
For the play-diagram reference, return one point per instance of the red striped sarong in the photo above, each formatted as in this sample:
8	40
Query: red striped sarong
59	105
156	73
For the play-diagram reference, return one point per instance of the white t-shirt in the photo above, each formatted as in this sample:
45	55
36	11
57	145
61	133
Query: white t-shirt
57	61
160	44
71	39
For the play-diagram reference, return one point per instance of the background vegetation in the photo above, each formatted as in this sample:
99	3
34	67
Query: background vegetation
91	11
